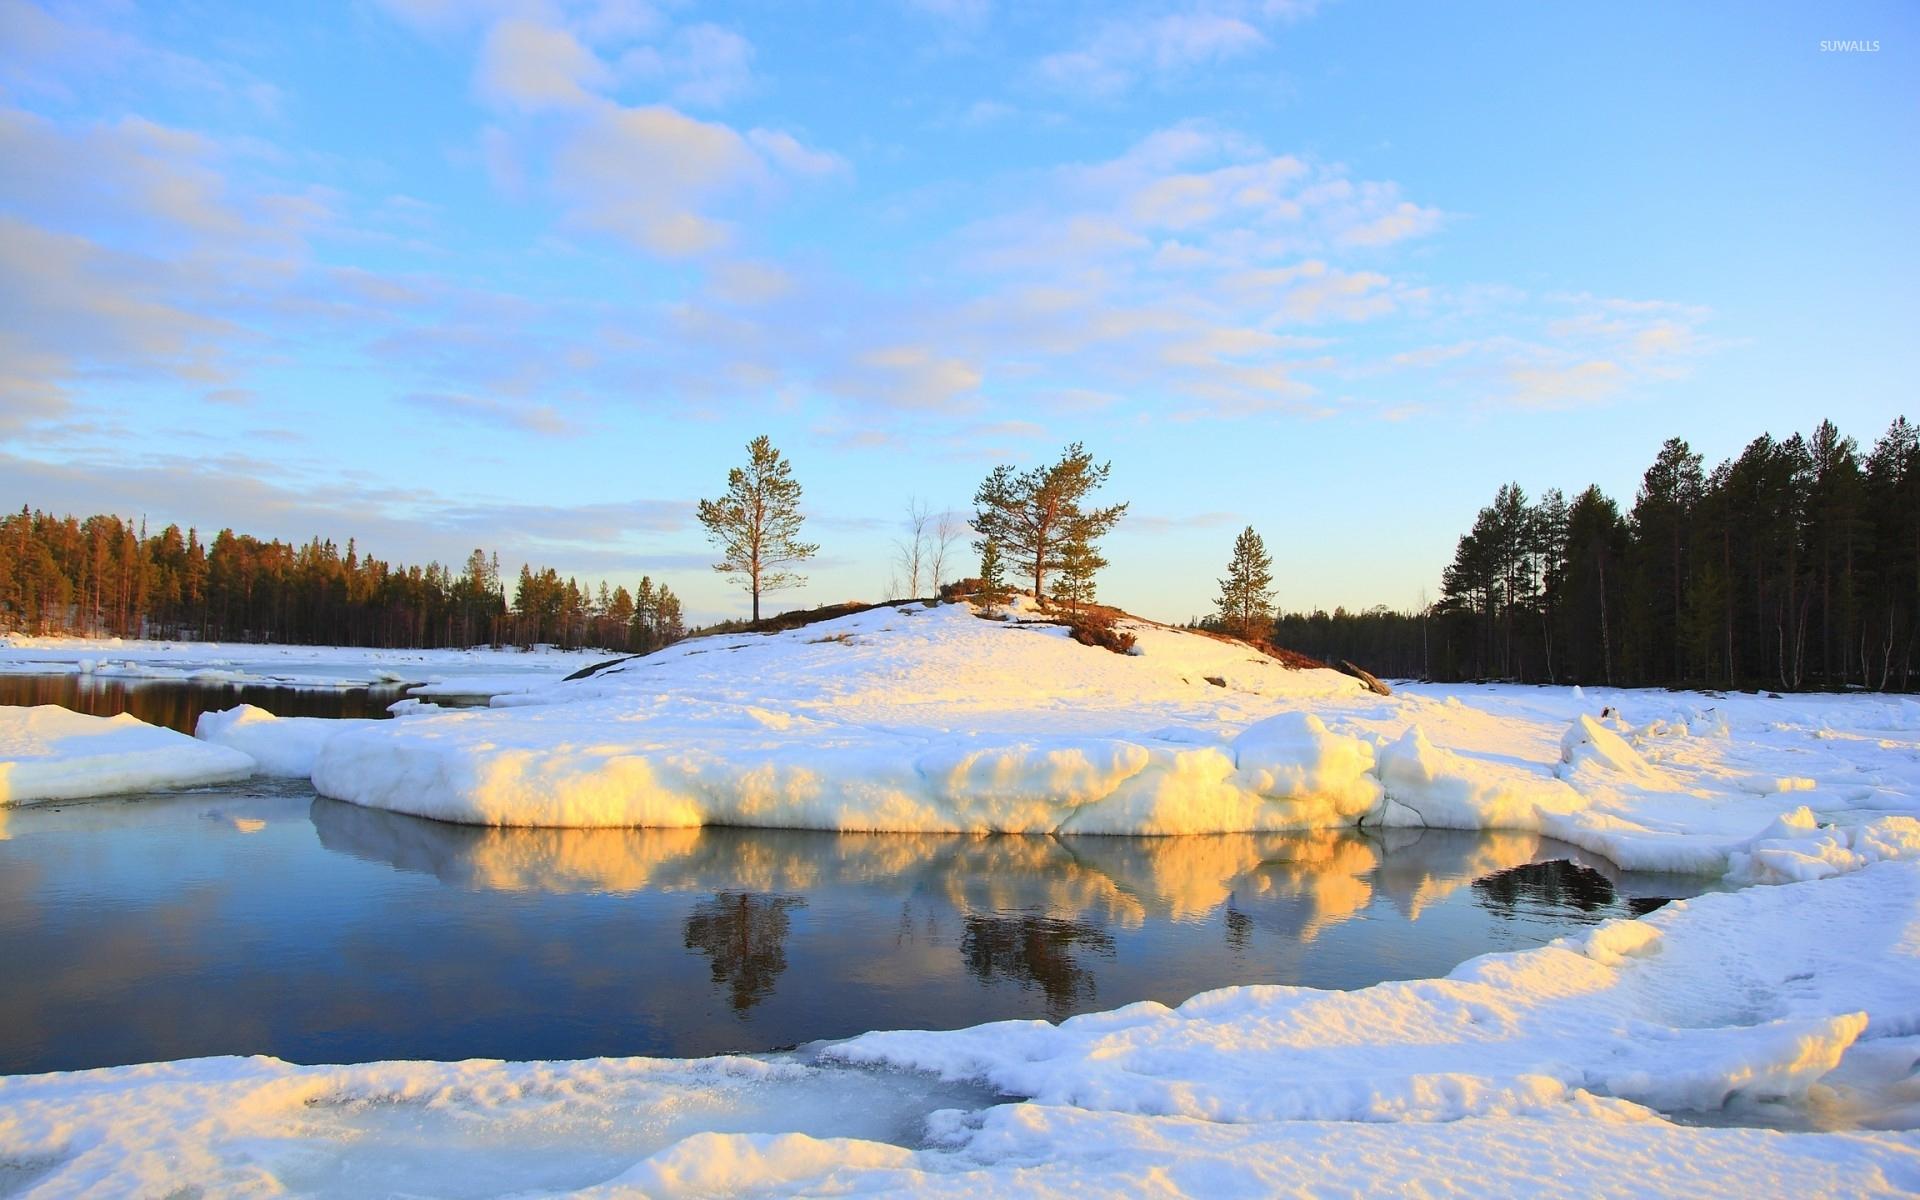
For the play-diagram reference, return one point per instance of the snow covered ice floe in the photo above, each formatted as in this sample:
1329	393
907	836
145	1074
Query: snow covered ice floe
283	746
909	718
1557	1071
52	753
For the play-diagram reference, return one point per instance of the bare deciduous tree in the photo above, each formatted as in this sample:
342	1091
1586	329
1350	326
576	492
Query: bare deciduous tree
911	553
948	528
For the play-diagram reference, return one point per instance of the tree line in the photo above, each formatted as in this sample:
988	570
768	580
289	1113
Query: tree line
103	576
1793	565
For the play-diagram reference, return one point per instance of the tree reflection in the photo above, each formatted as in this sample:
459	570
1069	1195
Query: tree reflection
1559	885
744	936
1032	949
1239	929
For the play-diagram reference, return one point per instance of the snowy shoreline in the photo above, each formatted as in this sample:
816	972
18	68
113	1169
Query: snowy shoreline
1585	1067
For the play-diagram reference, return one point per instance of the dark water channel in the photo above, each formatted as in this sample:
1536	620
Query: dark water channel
178	703
259	918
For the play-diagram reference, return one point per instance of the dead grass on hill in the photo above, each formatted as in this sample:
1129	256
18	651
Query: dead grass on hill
798	618
1280	654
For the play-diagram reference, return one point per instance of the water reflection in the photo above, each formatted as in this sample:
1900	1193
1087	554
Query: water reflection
1035	950
254	920
1558	884
177	704
744	936
1316	879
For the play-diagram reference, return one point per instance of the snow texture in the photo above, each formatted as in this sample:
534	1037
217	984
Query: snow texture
52	753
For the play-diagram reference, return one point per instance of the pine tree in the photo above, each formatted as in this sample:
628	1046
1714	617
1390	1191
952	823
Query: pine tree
1034	516
1246	594
1591	608
993	580
756	524
668	627
1893	595
1079	563
1663	520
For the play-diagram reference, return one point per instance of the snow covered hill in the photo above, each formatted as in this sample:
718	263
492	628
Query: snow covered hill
899	718
916	718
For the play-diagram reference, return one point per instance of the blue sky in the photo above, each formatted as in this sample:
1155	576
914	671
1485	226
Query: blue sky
527	275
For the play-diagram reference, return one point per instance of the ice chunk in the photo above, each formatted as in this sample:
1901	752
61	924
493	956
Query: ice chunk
1797	847
1436	787
53	753
283	746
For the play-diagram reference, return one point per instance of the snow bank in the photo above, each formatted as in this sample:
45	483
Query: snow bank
1592	1148
1547	1072
52	753
1748	995
903	719
914	719
283	746
259	1126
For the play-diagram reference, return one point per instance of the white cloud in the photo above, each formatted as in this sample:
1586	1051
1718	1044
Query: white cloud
1558	351
1188	267
70	307
170	186
1404	220
487	410
532	67
1122	51
1576	383
643	175
59	54
649	174
909	377
1312	291
987	112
